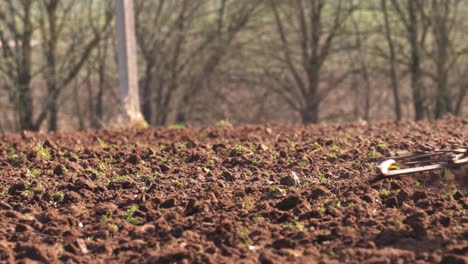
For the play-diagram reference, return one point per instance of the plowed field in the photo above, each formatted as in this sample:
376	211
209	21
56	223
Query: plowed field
250	194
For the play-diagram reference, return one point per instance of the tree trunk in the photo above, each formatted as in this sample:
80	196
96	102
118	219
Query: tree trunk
415	65
310	115
147	94
392	60
53	115
25	100
443	104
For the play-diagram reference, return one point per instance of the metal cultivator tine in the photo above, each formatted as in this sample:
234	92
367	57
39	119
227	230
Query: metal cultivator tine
423	161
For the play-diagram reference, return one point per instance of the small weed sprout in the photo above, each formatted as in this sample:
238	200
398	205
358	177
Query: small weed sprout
322	178
373	154
335	148
101	166
113	227
303	161
177	126
101	143
104	217
239	147
178	184
43	152
337	204
204	134
247	205
26	193
121	178
384	192
59	195
130	215
299	226
245	231
259	218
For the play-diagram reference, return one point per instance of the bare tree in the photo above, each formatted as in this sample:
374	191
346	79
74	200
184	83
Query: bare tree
16	36
307	35
161	30
62	68
392	60
410	13
182	43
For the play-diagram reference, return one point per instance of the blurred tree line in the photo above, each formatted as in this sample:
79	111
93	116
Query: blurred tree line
201	61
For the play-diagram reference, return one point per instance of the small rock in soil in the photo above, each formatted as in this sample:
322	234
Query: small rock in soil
454	259
59	170
164	168
171	202
291	180
319	192
133	159
228	176
289	203
391	202
16	188
457	195
444	220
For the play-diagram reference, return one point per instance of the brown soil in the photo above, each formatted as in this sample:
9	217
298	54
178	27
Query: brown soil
269	194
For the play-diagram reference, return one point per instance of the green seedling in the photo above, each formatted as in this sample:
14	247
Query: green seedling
113	227
239	147
26	193
245	231
287	226
302	185
374	154
177	126
204	134
130	215
101	166
316	145
335	148
259	218
299	226
59	195
336	204
43	152
178	184
322	178
247	204
104	217
121	178
383	145
101	143
384	192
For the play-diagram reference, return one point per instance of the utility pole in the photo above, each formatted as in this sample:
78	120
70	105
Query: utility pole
127	56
